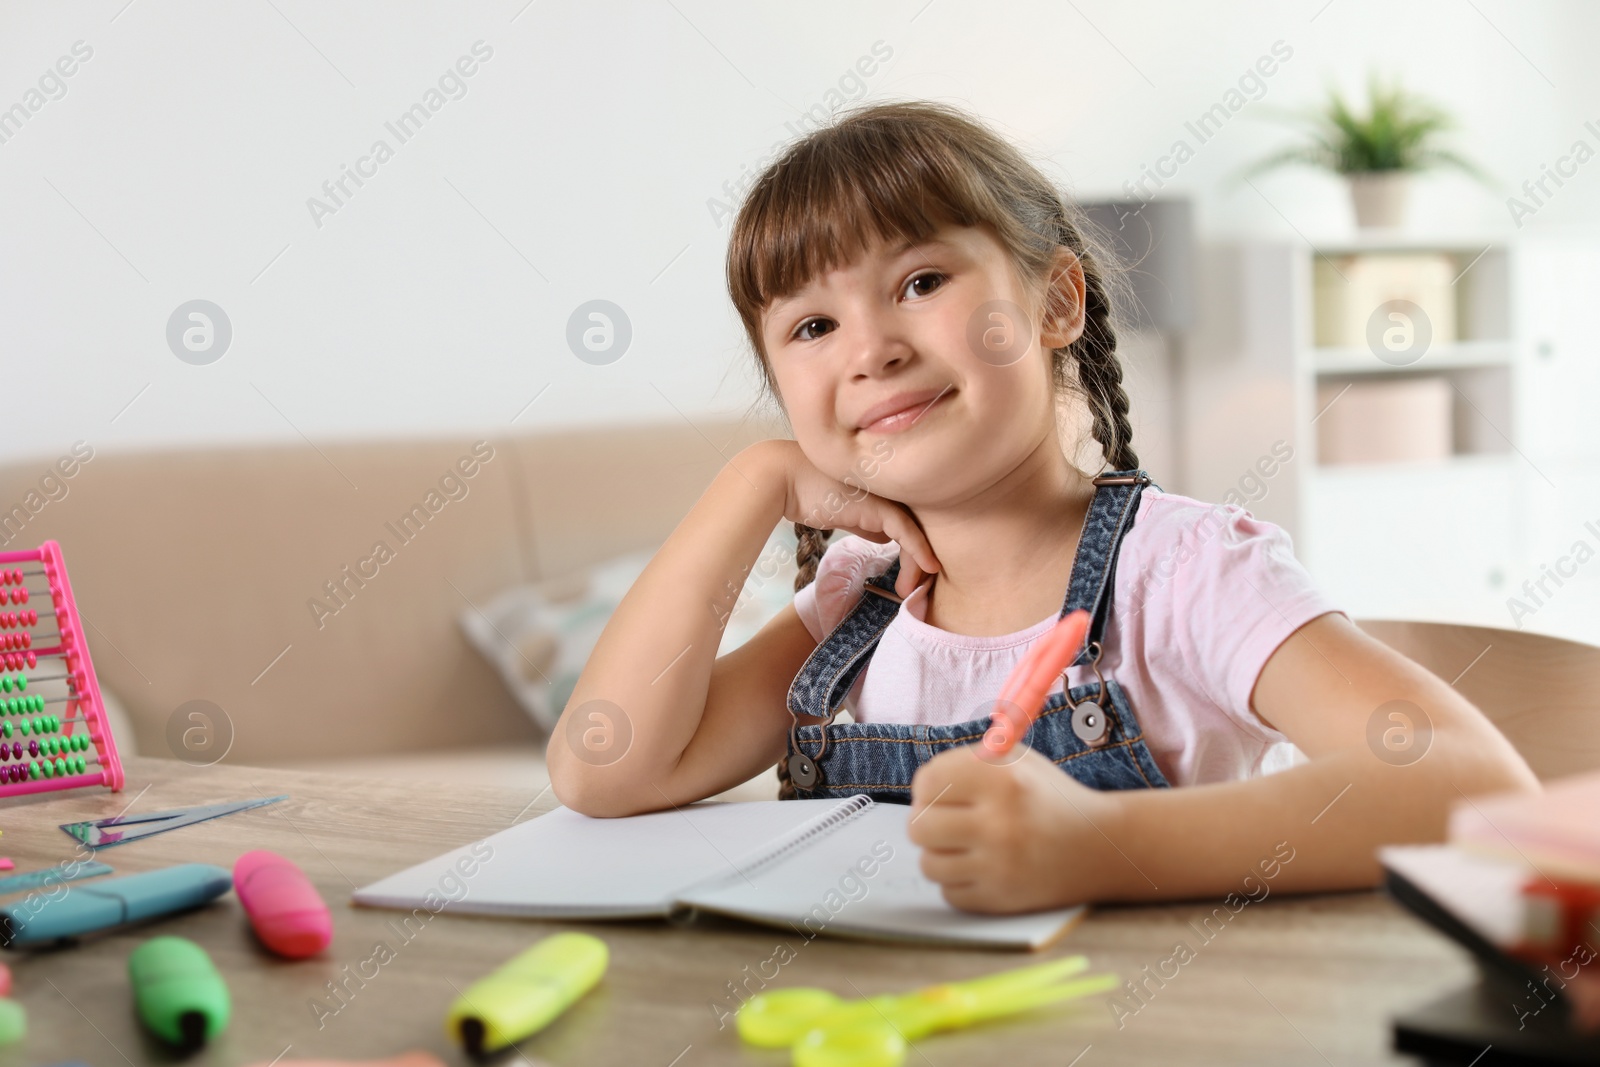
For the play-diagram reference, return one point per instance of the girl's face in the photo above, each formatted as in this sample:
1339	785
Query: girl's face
915	371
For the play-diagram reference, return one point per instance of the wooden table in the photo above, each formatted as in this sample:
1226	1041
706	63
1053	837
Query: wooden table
1312	980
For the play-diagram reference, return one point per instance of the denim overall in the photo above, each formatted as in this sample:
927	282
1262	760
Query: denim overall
1090	732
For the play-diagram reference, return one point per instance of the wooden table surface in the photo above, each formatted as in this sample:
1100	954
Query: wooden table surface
1309	980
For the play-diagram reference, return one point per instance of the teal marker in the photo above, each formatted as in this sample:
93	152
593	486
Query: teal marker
179	994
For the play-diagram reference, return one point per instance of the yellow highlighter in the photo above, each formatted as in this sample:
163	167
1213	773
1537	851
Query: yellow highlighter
527	993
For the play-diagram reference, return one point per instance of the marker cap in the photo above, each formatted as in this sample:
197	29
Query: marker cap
179	994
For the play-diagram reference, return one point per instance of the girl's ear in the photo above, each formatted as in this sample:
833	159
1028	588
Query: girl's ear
1063	301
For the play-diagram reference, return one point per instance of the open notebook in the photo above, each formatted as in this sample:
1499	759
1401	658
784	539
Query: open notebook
841	867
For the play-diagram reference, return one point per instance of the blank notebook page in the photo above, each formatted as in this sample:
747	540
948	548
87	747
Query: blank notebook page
563	863
895	902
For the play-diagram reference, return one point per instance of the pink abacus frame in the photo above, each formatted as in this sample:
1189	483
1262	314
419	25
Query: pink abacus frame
18	654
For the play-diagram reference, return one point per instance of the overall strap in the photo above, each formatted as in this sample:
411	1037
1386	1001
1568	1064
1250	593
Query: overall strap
831	670
1111	515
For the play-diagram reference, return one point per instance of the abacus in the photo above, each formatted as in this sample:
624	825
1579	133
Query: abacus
53	728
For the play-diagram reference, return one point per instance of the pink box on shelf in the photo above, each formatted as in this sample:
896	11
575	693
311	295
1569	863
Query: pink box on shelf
1384	421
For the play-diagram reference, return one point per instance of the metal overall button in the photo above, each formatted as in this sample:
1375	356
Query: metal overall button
805	772
1090	720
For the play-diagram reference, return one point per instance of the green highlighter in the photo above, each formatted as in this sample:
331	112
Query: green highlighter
527	993
180	996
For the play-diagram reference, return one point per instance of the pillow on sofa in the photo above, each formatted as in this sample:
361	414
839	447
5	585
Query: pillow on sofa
539	635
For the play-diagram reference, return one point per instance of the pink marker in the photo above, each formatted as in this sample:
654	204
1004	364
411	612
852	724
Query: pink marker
284	907
1022	698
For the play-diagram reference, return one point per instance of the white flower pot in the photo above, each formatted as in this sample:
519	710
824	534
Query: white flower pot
1379	198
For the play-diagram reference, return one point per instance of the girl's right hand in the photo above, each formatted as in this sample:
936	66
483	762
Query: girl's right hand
822	501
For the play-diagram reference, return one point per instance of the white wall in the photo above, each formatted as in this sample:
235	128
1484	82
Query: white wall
579	165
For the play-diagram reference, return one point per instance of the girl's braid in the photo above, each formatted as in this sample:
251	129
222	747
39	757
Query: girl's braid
1100	373
812	544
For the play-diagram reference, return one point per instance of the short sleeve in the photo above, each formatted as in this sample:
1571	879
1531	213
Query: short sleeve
1238	593
843	570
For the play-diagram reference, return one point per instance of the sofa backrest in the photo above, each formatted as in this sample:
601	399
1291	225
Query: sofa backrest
311	592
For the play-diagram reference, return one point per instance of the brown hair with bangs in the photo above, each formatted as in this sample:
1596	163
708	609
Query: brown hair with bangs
897	172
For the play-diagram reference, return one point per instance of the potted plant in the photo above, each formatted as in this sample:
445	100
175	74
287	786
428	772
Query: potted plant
1376	153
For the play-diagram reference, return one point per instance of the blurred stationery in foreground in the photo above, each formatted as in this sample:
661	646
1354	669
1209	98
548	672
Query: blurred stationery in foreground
1518	884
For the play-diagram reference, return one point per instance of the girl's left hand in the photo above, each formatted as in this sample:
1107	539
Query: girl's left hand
1012	836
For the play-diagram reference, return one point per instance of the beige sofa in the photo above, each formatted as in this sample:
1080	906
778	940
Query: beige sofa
200	573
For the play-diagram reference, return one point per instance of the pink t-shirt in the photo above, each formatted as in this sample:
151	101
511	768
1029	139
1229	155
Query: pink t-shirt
1204	595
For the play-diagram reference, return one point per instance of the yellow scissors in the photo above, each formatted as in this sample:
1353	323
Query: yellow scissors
825	1030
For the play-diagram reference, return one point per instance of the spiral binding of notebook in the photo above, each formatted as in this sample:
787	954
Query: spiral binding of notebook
53	728
841	812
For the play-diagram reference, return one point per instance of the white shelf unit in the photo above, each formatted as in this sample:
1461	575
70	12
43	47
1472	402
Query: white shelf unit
1450	540
1416	540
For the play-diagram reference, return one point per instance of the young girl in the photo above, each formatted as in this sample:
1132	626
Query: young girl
929	315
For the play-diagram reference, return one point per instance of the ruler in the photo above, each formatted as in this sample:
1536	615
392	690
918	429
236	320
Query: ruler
120	829
21	883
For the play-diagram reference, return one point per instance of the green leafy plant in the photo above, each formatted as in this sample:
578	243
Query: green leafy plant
1399	132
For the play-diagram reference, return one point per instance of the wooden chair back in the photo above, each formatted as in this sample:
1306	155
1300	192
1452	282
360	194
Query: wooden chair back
1542	692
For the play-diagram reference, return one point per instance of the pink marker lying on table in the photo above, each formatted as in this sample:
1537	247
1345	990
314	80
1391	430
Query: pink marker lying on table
284	907
1023	696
